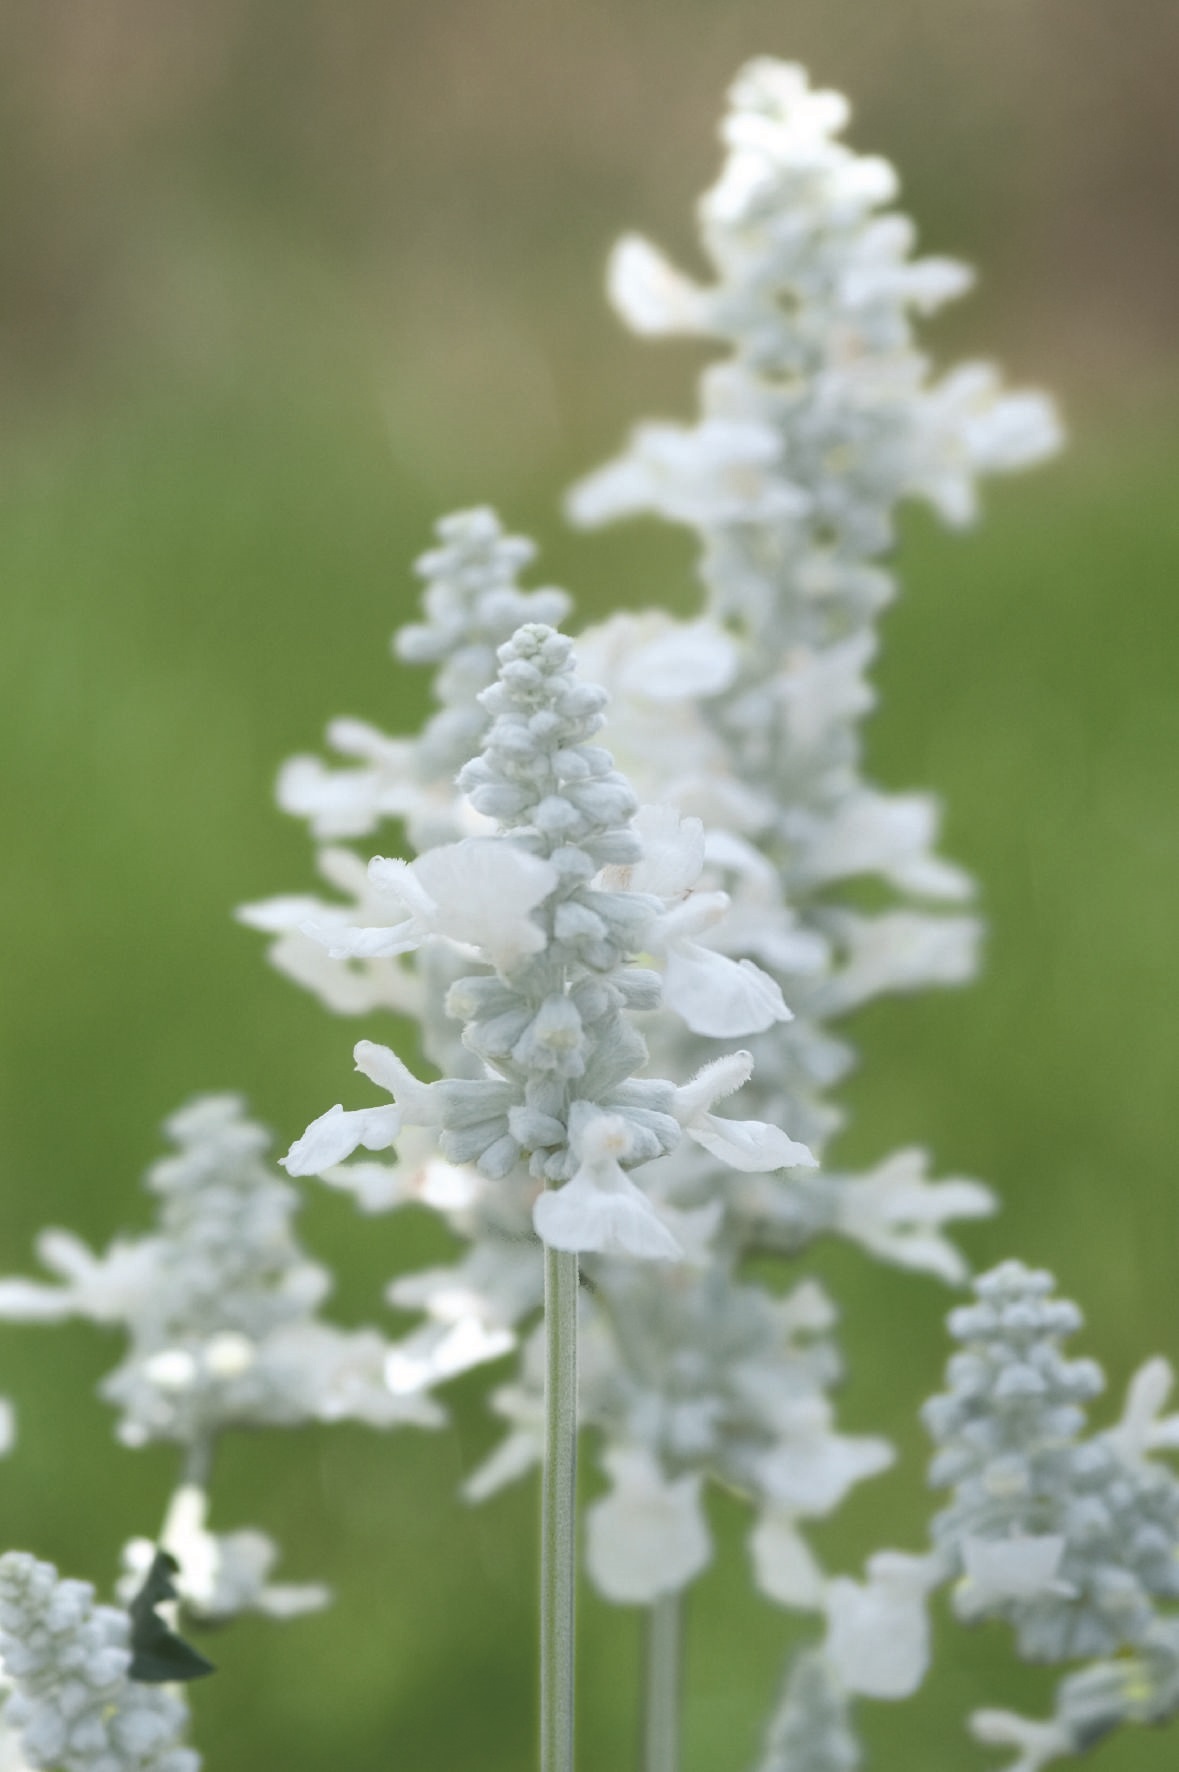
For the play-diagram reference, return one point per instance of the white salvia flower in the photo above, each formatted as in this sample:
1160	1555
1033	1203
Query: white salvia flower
721	472
741	1144
354	988
478	893
784	1565
220	1575
878	1632
895	1212
650	294
599	1210
348	802
1035	1743
1140	1430
336	1134
7	1426
711	993
812	1468
897	951
648	1536
73	1707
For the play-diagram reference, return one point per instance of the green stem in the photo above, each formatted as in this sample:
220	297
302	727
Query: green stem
661	1699
558	1549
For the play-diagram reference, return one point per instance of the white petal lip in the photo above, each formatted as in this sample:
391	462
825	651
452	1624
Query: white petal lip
648	1536
617	1219
752	1146
336	1134
484	889
673	853
784	1566
718	996
649	293
690	661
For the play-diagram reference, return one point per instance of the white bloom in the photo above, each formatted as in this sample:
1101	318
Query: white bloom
600	1209
812	1468
897	1214
1140	1430
878	1632
747	1145
1035	1743
650	294
711	993
479	892
336	1134
107	1288
897	951
348	987
719	471
648	1536
221	1574
349	802
784	1565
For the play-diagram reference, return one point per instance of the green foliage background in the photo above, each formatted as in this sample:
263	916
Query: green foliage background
282	286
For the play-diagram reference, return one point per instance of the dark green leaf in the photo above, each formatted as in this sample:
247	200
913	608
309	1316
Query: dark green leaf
158	1654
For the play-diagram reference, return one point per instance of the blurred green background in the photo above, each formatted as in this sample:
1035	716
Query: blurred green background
282	281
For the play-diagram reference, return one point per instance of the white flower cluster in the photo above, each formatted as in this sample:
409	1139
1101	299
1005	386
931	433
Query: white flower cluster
691	1378
719	898
559	1101
823	418
1072	1540
219	1303
73	1707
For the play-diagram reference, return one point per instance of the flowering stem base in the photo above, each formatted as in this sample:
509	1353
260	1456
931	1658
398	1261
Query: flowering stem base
661	1697
558	1557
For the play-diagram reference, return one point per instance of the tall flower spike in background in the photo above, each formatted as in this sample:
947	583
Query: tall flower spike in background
821	419
221	1309
1072	1540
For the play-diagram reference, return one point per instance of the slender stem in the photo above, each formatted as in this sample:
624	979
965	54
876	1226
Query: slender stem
558	1550
661	1698
197	1466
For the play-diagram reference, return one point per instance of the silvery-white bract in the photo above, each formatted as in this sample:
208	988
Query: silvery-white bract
1072	1539
73	1707
551	1015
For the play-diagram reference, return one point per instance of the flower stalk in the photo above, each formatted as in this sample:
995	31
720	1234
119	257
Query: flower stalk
662	1697
558	1551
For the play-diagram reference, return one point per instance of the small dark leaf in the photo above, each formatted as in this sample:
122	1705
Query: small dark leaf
158	1654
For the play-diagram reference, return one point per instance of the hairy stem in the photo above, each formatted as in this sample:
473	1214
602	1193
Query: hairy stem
558	1551
663	1652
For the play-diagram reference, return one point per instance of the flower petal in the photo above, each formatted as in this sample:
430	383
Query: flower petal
335	1135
